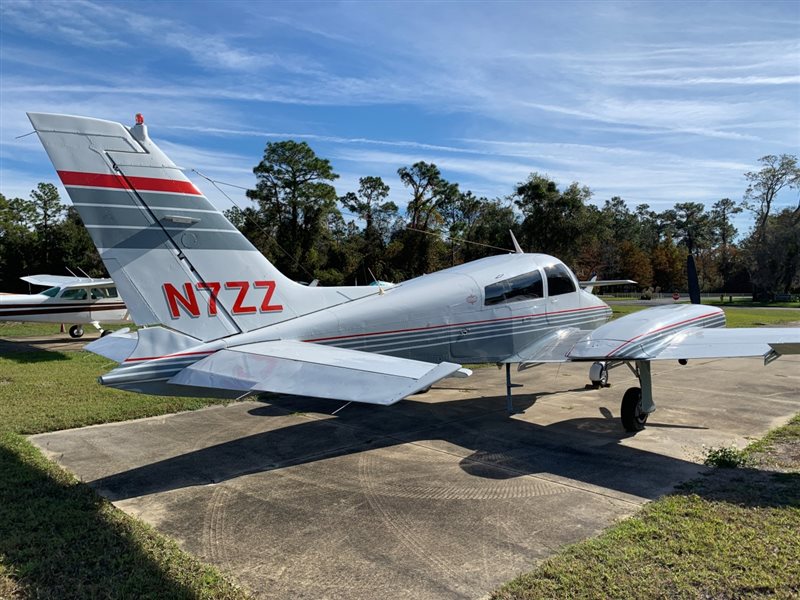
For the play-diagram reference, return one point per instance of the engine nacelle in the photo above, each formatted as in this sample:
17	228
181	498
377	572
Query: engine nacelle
638	335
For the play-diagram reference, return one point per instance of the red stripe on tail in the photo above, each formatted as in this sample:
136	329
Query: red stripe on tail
145	184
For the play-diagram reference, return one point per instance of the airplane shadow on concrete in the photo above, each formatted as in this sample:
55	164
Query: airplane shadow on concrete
479	432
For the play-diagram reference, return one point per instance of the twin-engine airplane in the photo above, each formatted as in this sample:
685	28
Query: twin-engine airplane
221	319
78	300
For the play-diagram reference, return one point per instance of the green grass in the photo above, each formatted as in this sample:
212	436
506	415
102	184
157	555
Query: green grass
756	317
45	391
58	538
13	329
735	317
747	302
731	534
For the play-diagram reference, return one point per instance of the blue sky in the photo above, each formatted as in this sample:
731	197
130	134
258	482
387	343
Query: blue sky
655	102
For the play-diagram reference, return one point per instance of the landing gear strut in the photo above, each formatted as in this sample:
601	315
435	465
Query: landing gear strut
509	387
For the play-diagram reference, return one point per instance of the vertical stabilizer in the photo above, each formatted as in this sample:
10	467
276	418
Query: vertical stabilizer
175	258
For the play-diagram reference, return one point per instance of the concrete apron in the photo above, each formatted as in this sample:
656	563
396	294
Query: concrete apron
441	496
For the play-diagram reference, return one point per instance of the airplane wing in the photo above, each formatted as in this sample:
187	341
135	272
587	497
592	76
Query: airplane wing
64	281
730	343
308	369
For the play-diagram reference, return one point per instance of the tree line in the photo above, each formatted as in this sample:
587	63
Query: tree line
300	223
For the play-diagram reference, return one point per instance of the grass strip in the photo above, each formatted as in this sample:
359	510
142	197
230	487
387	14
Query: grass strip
58	539
734	533
47	391
10	329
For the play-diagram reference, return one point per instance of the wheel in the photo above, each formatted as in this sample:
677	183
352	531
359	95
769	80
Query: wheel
598	374
633	419
75	331
105	332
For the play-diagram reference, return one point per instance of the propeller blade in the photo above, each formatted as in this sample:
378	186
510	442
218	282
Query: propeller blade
694	284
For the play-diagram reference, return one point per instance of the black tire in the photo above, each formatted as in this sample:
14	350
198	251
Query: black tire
633	419
602	382
105	332
76	331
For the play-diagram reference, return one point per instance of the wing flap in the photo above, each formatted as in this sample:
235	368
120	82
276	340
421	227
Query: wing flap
551	348
306	369
727	343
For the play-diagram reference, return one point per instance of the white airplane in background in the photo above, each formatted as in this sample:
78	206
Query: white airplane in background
221	319
78	300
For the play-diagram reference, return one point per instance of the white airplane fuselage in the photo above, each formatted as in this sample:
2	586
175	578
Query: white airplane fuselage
444	316
39	308
450	315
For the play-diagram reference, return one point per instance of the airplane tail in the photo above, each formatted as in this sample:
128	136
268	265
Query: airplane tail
175	259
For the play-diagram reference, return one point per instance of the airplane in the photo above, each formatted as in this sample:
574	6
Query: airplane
219	319
78	300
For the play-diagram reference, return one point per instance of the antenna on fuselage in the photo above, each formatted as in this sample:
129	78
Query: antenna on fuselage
375	279
517	249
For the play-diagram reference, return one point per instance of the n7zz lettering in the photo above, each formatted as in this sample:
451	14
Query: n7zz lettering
186	298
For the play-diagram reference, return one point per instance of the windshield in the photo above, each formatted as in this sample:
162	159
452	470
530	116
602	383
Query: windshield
51	292
559	281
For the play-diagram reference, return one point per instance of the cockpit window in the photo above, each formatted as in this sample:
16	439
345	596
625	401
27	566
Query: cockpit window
74	294
559	280
522	287
51	292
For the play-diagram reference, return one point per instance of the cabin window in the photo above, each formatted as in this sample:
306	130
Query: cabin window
104	292
559	280
523	287
51	292
74	294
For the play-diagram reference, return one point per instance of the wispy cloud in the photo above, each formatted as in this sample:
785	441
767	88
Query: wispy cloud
640	100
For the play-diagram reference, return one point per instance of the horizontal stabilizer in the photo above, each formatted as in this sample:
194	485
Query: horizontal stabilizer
729	343
159	342
606	282
116	346
306	369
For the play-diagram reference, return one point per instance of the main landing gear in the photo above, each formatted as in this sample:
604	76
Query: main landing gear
76	331
637	402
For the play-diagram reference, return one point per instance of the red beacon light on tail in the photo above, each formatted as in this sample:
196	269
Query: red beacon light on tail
139	131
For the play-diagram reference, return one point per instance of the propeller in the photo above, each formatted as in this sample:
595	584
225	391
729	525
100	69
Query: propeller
694	284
